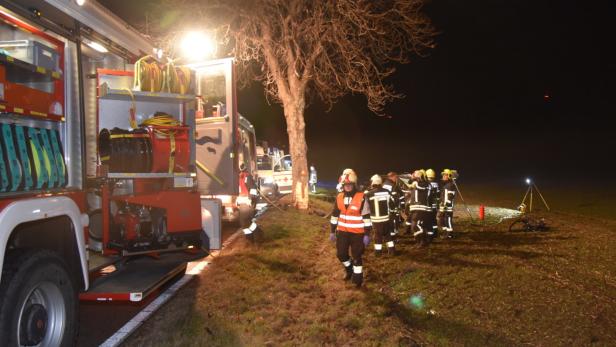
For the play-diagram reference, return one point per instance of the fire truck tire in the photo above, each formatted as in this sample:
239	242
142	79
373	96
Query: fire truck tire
38	301
245	216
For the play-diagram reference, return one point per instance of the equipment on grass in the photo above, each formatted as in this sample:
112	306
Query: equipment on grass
529	194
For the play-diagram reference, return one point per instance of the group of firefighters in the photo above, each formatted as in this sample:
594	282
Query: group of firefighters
425	204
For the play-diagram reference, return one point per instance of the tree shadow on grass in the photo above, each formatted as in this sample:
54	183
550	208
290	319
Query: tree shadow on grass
276	265
272	233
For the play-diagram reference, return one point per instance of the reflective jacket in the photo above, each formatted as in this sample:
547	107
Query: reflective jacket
351	213
434	194
448	195
418	198
396	194
381	203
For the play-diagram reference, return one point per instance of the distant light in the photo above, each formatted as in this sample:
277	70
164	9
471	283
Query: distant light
80	2
528	181
197	45
97	46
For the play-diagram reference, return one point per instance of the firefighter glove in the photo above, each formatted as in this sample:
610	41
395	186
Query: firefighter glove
366	240
332	237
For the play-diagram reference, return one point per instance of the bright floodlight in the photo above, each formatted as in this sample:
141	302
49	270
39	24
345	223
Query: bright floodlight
528	181
80	2
196	45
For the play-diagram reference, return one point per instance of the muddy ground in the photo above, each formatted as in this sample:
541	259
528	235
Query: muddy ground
488	286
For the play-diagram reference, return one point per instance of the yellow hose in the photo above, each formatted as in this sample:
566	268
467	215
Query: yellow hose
148	75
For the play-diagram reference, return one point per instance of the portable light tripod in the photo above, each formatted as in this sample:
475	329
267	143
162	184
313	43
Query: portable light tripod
529	195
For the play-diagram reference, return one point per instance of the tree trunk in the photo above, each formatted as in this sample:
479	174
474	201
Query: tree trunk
296	129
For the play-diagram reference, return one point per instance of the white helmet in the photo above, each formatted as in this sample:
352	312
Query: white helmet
376	180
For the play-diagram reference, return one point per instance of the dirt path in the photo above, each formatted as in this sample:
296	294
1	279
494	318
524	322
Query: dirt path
486	287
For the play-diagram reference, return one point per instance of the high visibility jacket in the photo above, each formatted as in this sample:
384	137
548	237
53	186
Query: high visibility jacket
396	194
419	196
434	194
352	214
448	195
381	204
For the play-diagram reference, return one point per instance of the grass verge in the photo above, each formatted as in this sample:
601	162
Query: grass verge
486	287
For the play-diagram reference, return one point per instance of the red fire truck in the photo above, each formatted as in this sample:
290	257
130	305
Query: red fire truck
107	169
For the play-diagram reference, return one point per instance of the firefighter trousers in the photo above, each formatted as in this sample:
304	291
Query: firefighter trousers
420	225
445	222
382	234
353	263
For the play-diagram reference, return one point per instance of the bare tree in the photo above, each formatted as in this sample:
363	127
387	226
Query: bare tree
301	49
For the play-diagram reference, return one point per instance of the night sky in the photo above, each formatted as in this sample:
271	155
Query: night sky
514	88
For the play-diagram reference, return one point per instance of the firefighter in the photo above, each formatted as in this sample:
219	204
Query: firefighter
248	195
381	213
448	195
313	179
350	228
418	207
433	197
392	184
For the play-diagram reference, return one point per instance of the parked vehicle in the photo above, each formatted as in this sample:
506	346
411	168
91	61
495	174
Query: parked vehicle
100	165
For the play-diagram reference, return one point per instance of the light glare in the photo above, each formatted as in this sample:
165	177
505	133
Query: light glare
97	46
196	45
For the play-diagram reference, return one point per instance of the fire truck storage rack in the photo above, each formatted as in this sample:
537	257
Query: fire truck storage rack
172	193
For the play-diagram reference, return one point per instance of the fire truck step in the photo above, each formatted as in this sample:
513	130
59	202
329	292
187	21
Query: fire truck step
138	277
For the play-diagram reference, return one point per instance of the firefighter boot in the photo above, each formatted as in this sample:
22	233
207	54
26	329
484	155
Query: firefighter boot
348	272
358	279
391	248
378	249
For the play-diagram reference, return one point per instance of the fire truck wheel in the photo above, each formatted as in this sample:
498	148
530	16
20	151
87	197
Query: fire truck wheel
39	302
245	216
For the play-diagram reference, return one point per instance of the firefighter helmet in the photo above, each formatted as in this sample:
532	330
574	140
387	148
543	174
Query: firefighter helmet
420	174
376	180
430	173
350	178
347	171
446	172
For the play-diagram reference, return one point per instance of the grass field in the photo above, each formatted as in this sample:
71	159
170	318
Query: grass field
486	287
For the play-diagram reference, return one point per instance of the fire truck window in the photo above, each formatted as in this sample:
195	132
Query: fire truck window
25	47
212	91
